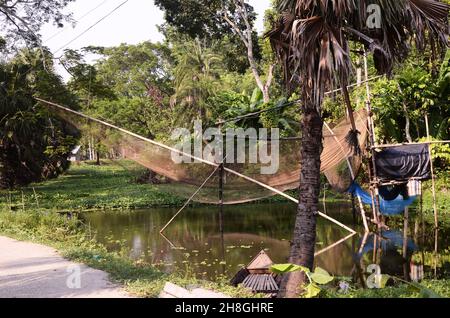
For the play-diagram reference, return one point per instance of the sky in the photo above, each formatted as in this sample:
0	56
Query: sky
134	22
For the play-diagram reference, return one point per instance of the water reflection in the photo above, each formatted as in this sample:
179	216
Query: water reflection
194	242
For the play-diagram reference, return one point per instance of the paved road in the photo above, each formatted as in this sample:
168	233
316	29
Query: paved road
29	270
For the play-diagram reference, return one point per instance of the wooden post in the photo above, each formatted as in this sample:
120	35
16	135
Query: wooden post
372	139
189	200
221	174
436	246
405	244
433	183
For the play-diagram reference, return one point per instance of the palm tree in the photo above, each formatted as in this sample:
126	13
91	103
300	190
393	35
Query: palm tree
312	40
196	76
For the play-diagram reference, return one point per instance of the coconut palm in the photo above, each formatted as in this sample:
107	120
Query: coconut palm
196	76
312	40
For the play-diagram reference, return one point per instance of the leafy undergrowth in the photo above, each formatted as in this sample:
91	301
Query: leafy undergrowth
86	186
428	289
442	198
68	237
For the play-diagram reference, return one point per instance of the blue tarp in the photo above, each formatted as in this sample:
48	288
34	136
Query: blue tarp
393	207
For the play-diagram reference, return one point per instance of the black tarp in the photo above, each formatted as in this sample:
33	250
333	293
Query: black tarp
402	163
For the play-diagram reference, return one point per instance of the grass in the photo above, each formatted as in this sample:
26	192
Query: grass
429	289
86	186
442	198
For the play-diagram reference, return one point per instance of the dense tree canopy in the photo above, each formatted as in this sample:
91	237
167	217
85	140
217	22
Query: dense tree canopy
34	145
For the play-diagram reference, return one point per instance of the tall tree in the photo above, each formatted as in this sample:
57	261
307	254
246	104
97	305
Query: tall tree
242	14
215	19
34	145
196	79
312	43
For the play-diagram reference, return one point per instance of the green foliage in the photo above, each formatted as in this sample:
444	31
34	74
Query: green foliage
316	278
426	289
321	276
201	18
197	74
85	81
109	186
440	154
288	268
414	92
141	70
139	115
444	78
34	145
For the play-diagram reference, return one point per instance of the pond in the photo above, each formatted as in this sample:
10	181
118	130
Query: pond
194	242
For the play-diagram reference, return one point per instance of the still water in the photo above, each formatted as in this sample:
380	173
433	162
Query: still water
194	242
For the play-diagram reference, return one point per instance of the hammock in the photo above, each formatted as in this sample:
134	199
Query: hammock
337	160
393	207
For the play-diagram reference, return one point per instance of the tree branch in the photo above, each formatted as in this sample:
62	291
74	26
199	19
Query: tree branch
270	76
236	29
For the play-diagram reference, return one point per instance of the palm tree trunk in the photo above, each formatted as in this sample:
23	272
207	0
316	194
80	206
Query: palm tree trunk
303	243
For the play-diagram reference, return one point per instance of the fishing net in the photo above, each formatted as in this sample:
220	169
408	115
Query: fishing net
239	186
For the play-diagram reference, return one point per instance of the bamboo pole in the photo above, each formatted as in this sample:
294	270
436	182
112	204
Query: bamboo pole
366	81
167	239
352	173
188	201
405	243
326	249
372	140
221	175
412	143
433	183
